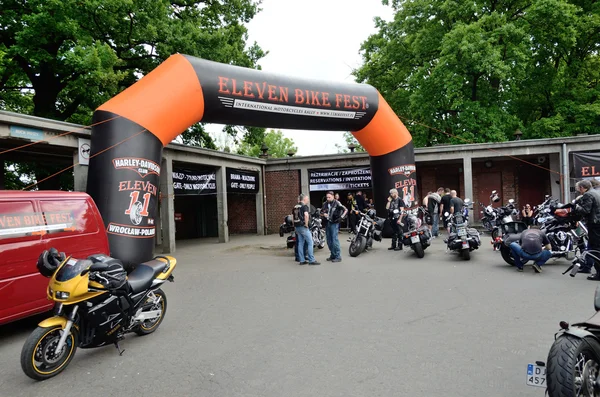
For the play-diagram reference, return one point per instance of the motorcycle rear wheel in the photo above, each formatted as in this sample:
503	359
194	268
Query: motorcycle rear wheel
572	363
418	247
507	255
357	246
149	326
466	254
38	359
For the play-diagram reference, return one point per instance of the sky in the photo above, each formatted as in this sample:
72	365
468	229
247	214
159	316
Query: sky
315	39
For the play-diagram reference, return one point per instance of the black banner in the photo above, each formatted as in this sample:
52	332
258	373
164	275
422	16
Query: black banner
349	178
242	181
188	182
586	165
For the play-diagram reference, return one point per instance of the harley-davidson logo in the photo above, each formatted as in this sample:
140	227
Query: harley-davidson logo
405	170
143	167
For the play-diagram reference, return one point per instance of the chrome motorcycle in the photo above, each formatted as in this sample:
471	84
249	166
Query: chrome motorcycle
415	233
368	228
462	238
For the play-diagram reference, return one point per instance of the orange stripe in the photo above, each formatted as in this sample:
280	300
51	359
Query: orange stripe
385	133
165	102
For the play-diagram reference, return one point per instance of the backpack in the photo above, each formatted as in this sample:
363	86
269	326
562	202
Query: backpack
296	215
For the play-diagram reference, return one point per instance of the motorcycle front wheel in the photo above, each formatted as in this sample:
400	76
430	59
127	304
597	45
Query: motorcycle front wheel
418	247
357	246
495	233
322	240
572	367
487	225
39	359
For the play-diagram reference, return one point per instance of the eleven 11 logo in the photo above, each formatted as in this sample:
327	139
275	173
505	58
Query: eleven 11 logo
138	210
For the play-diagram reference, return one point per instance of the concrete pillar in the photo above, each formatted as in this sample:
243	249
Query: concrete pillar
222	214
260	199
564	169
80	173
304	181
468	179
167	206
554	161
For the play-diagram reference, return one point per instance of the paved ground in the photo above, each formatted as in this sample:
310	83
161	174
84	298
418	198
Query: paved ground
246	321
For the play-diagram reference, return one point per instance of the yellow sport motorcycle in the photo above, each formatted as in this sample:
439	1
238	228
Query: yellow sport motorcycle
97	303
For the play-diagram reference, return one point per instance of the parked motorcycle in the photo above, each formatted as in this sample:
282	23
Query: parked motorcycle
316	229
415	233
490	214
97	303
368	228
505	214
572	368
462	238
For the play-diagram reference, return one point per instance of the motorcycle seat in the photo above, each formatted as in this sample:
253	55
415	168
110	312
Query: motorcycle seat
143	275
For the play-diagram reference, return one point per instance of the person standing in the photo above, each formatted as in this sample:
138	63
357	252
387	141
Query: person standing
595	183
588	206
333	211
456	203
534	246
361	204
395	203
433	207
445	206
352	215
527	215
303	232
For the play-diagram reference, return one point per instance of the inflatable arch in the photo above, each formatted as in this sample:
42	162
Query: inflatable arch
124	171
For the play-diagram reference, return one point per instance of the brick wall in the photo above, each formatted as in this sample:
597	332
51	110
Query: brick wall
241	209
282	189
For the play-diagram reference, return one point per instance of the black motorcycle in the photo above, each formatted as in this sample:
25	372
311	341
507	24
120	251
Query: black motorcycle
505	214
415	233
462	238
573	365
489	215
368	228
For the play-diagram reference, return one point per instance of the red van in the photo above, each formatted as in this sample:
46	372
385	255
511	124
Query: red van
31	222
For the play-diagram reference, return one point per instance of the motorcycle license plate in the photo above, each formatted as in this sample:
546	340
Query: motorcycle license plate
465	244
414	239
462	232
536	375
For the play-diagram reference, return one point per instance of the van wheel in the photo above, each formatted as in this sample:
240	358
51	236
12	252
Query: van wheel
149	326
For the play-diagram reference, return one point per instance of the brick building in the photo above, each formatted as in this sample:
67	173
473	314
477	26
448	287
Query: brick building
524	170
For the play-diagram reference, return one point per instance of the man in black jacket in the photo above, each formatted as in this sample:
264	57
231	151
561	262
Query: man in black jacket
333	211
588	206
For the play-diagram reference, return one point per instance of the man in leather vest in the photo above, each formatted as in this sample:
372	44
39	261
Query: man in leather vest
395	203
588	206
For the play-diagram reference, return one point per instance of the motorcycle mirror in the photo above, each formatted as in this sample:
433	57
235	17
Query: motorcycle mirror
396	211
446	213
511	201
467	201
494	192
597	299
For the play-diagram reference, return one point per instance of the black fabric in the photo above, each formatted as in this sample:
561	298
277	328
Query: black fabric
296	218
360	202
395	234
446	202
589	207
302	211
433	203
335	210
142	276
395	204
457	203
533	241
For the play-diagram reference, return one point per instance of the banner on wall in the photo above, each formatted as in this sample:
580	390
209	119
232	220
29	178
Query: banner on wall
242	181
190	182
350	178
586	165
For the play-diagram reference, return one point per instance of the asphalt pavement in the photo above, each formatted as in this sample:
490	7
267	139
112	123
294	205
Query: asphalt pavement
244	320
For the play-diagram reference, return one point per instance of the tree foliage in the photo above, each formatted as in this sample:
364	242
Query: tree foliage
350	140
61	59
479	70
279	145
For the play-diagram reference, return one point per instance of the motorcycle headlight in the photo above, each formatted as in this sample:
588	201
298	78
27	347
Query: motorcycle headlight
62	295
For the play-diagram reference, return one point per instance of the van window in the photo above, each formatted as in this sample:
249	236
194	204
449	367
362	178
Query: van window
19	221
64	217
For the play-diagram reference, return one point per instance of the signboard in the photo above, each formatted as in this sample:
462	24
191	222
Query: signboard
351	178
33	134
84	151
242	181
194	182
586	165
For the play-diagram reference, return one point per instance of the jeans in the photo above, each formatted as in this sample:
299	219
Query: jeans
305	248
304	237
518	254
333	241
435	229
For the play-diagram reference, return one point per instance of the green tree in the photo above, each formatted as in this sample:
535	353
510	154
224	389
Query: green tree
350	140
279	146
63	58
478	70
